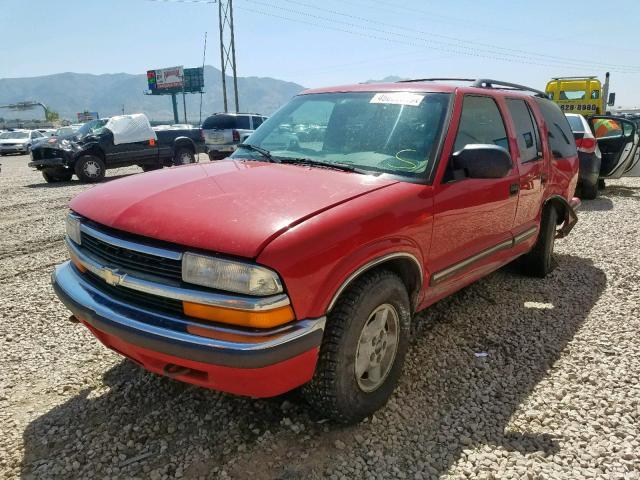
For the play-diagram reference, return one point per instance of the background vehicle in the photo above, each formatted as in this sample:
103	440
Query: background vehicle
586	95
115	142
589	155
618	140
18	141
304	265
224	131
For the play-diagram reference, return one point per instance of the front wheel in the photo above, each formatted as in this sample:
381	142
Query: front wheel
54	176
363	349
184	156
90	168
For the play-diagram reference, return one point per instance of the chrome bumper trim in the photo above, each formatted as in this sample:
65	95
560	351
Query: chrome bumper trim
116	277
166	333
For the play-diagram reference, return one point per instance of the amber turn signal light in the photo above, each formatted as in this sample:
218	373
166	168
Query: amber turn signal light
243	318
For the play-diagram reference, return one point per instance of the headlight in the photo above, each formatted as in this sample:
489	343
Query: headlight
73	228
65	145
229	275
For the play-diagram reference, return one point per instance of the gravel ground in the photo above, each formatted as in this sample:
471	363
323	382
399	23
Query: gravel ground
556	396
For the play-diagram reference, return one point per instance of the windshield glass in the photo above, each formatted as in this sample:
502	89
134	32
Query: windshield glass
388	132
94	126
14	135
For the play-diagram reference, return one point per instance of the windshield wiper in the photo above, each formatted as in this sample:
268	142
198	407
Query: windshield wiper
319	163
262	151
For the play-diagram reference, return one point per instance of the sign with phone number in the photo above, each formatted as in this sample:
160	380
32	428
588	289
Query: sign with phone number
580	107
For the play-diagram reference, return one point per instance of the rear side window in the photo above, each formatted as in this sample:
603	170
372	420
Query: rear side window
576	123
242	122
561	139
526	130
219	122
257	121
480	122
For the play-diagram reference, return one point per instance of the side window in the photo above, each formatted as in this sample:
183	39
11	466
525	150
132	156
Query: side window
526	130
242	122
561	141
480	122
257	121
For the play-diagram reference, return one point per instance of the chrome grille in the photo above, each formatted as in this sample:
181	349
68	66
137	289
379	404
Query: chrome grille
131	260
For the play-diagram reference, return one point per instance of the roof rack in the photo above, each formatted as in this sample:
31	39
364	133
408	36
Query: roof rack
488	83
482	83
437	80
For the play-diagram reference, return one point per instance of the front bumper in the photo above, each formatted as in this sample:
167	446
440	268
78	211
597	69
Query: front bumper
245	362
14	149
48	163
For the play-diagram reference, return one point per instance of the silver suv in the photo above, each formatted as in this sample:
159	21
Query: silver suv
224	131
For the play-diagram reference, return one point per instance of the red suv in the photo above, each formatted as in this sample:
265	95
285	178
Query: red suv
301	260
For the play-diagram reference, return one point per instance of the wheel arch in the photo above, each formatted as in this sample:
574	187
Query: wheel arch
566	214
404	264
182	142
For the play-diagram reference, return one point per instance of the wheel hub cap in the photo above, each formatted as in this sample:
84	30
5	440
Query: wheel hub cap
377	347
91	169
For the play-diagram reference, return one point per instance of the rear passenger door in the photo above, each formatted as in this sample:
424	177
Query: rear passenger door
531	166
473	217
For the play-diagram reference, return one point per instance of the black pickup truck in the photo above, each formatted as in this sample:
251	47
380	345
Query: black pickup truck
116	142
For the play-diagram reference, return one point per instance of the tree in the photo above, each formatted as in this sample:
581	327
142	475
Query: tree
51	115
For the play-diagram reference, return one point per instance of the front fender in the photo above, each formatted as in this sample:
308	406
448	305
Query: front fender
317	257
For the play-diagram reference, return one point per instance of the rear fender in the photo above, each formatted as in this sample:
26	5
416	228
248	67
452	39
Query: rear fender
566	213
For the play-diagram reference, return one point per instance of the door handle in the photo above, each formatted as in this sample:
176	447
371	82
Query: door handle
514	188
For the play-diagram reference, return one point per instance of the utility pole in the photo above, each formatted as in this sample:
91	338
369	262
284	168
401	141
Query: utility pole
227	49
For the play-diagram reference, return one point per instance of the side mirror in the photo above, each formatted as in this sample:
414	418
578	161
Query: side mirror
612	99
482	161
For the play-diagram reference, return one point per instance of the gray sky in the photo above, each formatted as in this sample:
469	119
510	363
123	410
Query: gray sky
333	41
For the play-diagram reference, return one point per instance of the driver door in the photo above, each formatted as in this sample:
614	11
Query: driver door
617	139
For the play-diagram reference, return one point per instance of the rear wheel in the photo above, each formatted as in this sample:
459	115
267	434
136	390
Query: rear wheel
184	156
363	349
90	168
539	262
53	176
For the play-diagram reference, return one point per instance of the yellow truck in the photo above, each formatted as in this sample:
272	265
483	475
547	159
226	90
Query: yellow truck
584	95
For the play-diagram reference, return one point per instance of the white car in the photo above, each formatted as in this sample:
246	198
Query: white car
18	141
223	132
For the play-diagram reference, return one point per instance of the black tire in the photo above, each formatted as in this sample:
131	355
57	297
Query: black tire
53	176
150	168
336	391
184	156
589	191
539	262
217	156
90	168
601	185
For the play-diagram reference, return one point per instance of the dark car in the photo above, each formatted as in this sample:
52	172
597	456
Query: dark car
589	155
116	142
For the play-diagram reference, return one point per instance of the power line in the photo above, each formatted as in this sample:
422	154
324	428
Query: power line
472	44
406	39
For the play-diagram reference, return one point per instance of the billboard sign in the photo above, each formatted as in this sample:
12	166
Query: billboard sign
87	116
175	80
165	78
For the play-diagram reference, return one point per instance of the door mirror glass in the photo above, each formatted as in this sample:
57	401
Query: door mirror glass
612	99
481	161
606	128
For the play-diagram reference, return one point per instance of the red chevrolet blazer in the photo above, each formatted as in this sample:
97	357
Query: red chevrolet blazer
302	258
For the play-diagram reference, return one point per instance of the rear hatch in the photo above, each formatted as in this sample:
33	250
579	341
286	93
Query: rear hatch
218	129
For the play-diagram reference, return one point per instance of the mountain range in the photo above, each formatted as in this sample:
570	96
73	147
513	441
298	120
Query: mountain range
108	94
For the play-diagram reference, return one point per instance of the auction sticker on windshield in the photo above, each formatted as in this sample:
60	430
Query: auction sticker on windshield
398	98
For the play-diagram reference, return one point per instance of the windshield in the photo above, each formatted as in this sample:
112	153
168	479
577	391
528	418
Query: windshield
14	135
94	126
392	132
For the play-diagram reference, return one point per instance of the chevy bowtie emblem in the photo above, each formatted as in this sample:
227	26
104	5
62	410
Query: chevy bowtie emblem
111	276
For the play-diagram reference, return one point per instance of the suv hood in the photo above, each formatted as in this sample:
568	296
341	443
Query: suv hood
233	207
13	141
